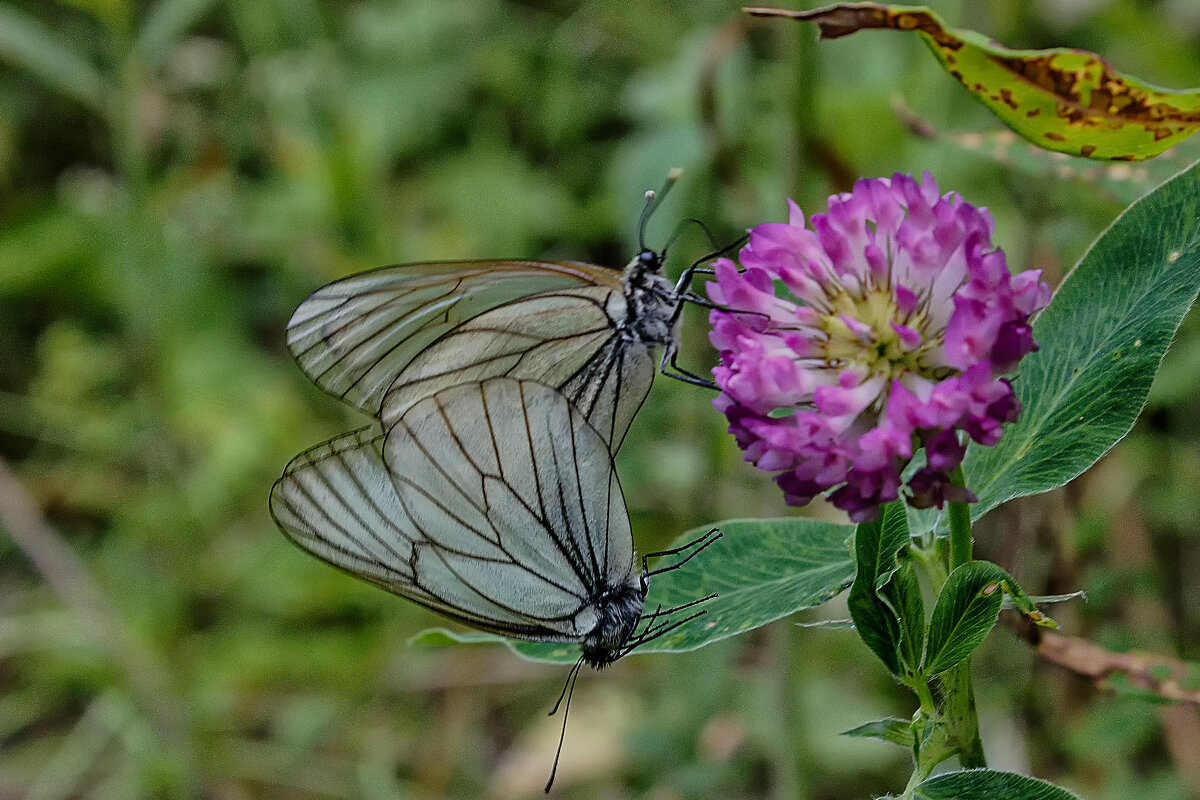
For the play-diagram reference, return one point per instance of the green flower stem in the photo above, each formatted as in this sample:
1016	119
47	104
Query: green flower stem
957	726
960	526
956	682
933	563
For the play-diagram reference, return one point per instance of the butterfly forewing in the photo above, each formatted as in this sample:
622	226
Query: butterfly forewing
353	337
549	338
386	339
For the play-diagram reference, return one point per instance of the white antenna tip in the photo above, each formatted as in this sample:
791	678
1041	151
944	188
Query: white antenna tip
675	174
649	194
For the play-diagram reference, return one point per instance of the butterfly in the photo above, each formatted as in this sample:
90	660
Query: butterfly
493	503
384	339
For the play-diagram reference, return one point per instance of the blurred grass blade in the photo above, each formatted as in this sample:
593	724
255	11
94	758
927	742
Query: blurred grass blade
1070	101
68	767
45	251
40	630
165	24
28	45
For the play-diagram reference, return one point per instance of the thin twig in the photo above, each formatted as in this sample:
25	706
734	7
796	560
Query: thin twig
1160	675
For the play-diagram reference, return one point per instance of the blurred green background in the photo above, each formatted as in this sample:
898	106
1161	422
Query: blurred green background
176	176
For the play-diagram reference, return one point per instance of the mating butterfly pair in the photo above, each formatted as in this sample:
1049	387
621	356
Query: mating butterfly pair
502	389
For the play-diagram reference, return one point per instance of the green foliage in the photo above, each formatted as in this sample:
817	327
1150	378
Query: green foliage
986	784
878	549
760	570
966	610
1102	339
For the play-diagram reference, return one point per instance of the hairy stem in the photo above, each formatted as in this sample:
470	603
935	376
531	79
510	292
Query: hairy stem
956	682
960	526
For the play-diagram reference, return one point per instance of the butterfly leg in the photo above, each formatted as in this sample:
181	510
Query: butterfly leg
650	633
669	363
696	545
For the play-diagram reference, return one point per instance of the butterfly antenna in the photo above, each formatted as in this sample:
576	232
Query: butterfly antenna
653	201
685	279
682	226
568	691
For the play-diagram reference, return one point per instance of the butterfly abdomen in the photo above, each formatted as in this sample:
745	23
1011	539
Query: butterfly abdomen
620	610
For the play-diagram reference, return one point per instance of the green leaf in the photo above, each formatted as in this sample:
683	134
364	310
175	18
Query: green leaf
903	596
892	729
1069	101
1117	182
965	612
986	784
876	545
1102	338
30	46
828	625
441	637
761	570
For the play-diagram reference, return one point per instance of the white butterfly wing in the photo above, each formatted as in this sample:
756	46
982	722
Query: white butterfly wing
568	340
497	506
354	336
385	339
336	501
516	493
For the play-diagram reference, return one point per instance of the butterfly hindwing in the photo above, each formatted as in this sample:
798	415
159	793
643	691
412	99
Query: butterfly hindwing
520	453
494	503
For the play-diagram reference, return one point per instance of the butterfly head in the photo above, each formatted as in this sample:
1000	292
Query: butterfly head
648	261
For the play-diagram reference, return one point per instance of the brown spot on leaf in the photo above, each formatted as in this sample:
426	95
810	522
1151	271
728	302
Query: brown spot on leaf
1054	137
1087	150
1033	112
